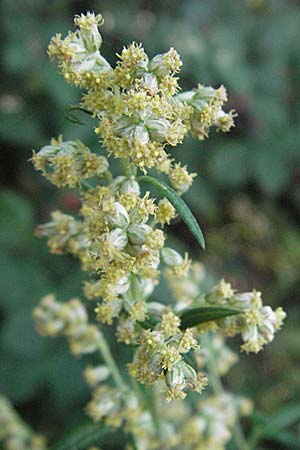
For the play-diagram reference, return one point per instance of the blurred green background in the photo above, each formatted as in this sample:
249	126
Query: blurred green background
246	197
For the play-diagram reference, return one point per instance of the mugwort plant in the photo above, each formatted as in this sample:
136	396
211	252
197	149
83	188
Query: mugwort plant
178	345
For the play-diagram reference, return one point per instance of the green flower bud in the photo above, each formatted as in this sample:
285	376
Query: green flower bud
118	238
95	375
170	257
130	186
137	132
175	377
137	233
150	84
121	125
140	288
119	218
91	38
158	129
122	285
125	185
156	309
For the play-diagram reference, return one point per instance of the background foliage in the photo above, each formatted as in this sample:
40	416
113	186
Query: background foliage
246	196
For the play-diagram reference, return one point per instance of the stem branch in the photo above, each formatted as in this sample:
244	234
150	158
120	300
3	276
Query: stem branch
109	360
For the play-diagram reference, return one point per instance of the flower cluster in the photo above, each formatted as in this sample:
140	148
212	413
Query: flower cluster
68	163
138	104
211	428
161	353
78	54
257	324
70	319
118	235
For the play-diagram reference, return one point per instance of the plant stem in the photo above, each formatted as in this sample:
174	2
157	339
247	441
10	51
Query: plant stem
153	409
239	436
120	383
109	360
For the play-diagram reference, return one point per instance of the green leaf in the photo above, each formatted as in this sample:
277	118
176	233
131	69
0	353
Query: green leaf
180	206
83	437
285	438
72	117
286	416
195	316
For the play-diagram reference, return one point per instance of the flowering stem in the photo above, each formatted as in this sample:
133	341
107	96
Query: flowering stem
115	373
217	387
117	377
154	411
214	378
109	360
239	437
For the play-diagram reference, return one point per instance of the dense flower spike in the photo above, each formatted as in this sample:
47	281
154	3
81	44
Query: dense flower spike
67	319
68	163
138	104
118	236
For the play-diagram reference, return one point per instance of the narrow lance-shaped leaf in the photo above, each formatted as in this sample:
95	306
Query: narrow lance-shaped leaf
196	316
83	437
180	206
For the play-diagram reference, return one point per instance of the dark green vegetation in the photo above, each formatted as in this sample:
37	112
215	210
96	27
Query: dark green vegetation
246	198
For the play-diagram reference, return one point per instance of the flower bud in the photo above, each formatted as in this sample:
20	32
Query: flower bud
139	133
137	233
121	125
165	64
170	257
131	186
122	285
149	83
119	217
91	38
175	377
95	375
87	342
158	129
118	238
156	309
157	66
140	288
125	129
